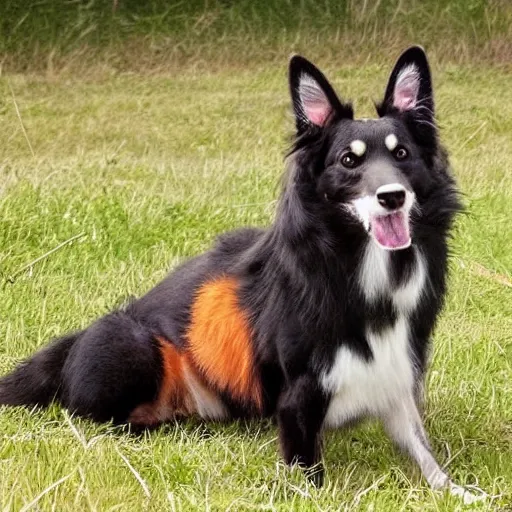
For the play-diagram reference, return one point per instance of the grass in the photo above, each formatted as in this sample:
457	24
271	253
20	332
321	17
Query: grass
110	36
144	168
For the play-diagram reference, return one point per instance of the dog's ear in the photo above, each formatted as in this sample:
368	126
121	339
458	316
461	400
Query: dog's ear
315	103
410	86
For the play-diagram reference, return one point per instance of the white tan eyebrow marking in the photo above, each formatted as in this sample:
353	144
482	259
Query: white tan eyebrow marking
358	147
391	141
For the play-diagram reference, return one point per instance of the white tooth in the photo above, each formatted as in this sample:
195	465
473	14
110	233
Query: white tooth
358	147
391	141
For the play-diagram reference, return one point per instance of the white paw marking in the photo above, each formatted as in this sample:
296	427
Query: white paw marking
467	496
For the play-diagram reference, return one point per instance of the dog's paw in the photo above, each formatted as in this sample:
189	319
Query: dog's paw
466	495
315	474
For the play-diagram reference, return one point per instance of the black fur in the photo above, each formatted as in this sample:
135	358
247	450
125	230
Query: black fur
38	381
112	367
298	282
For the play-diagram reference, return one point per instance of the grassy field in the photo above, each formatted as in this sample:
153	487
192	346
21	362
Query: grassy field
127	173
112	35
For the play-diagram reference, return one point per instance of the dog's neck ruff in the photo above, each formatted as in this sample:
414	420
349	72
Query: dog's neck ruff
375	279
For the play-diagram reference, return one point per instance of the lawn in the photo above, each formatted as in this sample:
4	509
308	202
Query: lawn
126	174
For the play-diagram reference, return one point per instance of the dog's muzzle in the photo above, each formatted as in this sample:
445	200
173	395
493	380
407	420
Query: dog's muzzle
385	215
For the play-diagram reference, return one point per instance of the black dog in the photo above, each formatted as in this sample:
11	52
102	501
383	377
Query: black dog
321	319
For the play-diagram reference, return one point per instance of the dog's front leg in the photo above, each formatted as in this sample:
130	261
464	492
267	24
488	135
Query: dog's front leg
300	413
404	425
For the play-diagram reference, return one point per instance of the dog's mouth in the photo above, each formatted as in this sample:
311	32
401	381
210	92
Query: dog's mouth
385	215
391	231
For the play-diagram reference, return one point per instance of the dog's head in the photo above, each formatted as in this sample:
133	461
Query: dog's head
375	171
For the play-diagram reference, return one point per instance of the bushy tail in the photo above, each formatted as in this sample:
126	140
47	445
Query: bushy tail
37	380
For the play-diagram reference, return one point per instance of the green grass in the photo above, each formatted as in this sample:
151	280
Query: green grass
149	168
56	36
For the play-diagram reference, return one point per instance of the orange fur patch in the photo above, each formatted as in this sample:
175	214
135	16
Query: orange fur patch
220	342
173	397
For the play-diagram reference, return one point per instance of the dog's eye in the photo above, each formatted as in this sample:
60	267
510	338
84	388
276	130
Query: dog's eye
401	153
350	160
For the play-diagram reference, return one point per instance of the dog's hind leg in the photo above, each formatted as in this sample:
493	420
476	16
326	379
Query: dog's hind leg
404	425
113	367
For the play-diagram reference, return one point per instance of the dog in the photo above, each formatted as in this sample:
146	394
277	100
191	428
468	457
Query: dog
320	320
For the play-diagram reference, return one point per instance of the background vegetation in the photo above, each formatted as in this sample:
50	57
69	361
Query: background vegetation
121	35
132	133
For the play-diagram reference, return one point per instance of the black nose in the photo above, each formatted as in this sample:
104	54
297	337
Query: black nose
392	200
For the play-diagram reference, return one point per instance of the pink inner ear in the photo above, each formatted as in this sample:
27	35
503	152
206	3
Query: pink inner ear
407	88
317	113
314	102
405	100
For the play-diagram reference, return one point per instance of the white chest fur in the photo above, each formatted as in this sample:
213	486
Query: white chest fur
361	387
374	279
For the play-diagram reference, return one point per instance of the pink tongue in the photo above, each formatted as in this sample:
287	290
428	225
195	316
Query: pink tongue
391	231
